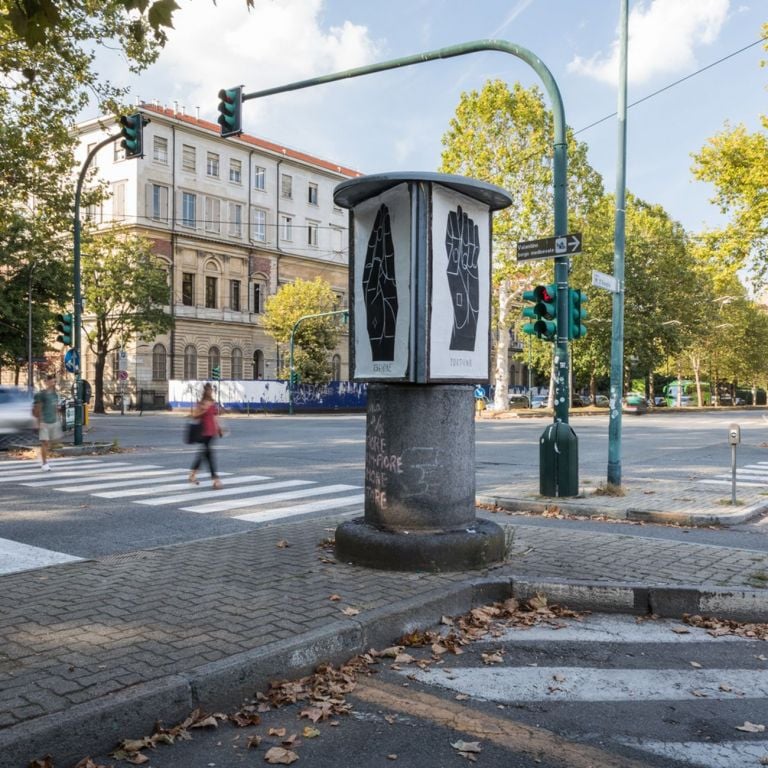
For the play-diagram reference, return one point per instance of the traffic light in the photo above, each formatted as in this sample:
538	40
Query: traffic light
544	310
576	314
295	378
132	132
230	109
64	327
216	373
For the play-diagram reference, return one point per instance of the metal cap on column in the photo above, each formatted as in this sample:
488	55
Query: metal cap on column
420	308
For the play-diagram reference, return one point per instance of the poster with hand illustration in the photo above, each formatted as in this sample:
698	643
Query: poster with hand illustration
460	279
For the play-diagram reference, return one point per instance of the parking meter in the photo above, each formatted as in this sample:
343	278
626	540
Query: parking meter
734	434
734	438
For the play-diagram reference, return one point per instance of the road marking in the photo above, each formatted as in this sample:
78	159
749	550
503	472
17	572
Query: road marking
724	754
514	684
151	477
302	509
35	463
72	478
176	486
227	491
15	557
744	483
223	506
93	470
537	743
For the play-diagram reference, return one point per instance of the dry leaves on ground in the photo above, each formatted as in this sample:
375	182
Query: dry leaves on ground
468	749
722	627
751	727
280	756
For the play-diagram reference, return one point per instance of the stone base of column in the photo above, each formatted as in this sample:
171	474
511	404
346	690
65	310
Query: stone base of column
480	544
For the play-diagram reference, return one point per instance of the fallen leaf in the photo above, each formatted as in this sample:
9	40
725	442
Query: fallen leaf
277	732
750	727
461	697
206	722
467	746
390	652
446	620
404	658
244	719
681	630
137	759
725	688
280	756
309	732
494	657
335	598
391	719
253	742
699	694
695	664
392	757
44	762
350	611
558	678
764	760
282	544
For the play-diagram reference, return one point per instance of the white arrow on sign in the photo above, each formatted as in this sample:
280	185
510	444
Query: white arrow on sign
601	280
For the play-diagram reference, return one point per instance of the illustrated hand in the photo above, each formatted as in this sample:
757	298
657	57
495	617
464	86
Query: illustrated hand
462	245
380	287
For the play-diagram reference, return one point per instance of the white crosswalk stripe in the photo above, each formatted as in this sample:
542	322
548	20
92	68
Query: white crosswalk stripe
259	498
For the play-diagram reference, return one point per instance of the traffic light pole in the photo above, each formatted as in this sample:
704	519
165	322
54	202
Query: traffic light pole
290	357
78	296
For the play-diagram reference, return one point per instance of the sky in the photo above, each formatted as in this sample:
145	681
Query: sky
395	120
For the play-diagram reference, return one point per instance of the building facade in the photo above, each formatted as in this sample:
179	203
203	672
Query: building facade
233	220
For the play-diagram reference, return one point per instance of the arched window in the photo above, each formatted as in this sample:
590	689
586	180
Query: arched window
159	372
190	362
237	363
336	368
258	364
214	361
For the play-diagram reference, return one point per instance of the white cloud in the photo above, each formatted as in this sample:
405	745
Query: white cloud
277	42
663	37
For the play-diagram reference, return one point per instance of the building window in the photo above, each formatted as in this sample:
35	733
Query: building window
159	358
214	361
312	194
212	214
190	362
95	160
259	178
235	171
259	225
118	201
188	289
312	231
337	239
236	369
286	186
258	364
235	219
116	365
336	368
94	213
234	297
210	292
188	158
119	152
286	225
157	202
188	209
212	164
160	149
258	298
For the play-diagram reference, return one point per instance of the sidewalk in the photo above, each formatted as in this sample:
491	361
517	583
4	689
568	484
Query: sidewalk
96	651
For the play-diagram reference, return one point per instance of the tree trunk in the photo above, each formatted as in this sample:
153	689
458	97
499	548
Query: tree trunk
98	383
501	374
696	364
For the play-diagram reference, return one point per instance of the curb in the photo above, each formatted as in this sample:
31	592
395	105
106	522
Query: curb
97	726
626	513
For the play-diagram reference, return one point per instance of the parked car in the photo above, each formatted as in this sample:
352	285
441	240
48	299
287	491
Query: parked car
634	402
659	401
17	424
577	401
539	401
517	400
602	401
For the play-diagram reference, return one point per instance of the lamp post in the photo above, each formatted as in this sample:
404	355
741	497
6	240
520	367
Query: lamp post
290	359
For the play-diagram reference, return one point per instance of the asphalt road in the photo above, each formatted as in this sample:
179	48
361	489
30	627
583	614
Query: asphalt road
309	465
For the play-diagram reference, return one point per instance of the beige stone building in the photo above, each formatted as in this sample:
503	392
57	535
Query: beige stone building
234	220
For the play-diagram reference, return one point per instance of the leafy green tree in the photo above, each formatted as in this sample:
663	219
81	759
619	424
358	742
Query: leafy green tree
313	339
505	137
126	293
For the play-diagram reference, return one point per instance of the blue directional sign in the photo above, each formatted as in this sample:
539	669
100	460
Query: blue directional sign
71	360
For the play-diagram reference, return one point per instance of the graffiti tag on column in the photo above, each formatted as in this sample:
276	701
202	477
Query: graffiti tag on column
380	462
462	246
380	288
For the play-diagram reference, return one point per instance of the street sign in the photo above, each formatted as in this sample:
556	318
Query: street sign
122	375
608	282
548	247
122	359
71	360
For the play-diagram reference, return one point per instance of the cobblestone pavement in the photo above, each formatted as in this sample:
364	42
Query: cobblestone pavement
95	651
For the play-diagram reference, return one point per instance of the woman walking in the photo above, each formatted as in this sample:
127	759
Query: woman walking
206	411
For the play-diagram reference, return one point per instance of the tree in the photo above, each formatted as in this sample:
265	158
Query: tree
505	137
313	339
126	291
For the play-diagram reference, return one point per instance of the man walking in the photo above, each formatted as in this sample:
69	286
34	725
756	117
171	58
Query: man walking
44	409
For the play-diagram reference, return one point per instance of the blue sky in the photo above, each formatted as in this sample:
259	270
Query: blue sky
394	120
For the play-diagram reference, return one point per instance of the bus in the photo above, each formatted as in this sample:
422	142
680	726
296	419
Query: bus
683	392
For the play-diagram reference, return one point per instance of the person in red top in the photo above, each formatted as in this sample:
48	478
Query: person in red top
206	411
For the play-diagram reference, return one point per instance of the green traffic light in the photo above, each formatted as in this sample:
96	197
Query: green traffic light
230	111
131	131
64	327
576	314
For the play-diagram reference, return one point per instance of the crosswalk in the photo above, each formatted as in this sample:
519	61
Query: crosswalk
749	476
253	497
657	692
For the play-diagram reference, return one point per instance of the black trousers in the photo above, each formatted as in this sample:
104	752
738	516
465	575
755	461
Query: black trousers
205	452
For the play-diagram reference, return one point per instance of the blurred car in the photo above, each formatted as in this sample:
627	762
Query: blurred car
602	401
517	400
634	402
577	401
659	401
539	401
17	424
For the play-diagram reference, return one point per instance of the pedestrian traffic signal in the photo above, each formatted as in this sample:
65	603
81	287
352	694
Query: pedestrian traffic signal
216	373
132	132
295	378
576	314
64	327
230	111
543	312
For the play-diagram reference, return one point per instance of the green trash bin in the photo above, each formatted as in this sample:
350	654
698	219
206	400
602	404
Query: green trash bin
559	461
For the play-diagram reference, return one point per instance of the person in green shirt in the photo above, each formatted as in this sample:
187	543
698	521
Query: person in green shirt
45	410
